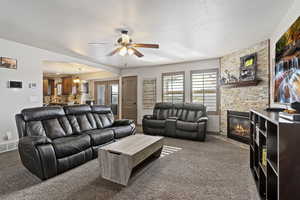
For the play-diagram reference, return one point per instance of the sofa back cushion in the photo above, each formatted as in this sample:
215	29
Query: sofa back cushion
162	111
191	112
46	121
103	116
80	117
177	109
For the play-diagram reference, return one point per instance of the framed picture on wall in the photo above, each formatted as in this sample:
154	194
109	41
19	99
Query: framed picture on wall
287	66
8	63
248	67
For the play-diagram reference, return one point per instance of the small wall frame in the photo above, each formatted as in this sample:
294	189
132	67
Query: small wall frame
248	67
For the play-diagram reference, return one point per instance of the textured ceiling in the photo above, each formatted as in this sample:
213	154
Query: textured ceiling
186	30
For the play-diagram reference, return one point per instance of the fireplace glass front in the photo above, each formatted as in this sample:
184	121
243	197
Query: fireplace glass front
238	126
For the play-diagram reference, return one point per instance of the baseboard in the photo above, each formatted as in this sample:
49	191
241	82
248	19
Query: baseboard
213	133
8	146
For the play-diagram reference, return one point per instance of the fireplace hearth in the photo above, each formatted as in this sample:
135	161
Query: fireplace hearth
238	126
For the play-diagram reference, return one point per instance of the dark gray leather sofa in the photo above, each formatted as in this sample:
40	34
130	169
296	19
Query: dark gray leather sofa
185	120
56	139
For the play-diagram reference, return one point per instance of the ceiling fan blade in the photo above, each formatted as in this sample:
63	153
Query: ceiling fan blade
98	43
114	51
137	53
156	46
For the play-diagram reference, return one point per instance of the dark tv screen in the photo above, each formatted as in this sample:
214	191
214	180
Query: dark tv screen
287	66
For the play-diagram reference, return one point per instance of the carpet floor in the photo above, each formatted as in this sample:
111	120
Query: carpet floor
214	170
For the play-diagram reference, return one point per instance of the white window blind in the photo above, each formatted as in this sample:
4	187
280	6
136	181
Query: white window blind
149	93
205	88
173	87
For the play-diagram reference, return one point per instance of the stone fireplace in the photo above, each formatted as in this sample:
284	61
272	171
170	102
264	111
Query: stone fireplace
240	98
238	126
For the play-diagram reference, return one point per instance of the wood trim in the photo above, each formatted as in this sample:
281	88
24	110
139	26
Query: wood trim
170	74
269	72
217	112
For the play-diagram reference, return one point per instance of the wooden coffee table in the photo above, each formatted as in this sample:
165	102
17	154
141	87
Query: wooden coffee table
119	158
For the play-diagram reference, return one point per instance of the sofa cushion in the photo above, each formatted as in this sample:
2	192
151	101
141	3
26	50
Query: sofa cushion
155	123
53	128
69	145
42	113
100	136
187	126
77	109
103	116
192	112
35	128
162	111
80	118
122	131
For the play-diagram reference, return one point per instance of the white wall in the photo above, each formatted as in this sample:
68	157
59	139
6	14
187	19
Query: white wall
156	71
30	61
287	20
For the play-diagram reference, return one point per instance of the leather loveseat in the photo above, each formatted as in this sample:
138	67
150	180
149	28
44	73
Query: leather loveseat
182	120
56	139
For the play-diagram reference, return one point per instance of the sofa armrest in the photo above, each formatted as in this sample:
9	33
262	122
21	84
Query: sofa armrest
35	140
202	127
148	117
38	156
202	119
122	122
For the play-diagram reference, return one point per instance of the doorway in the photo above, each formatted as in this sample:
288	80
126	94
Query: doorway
107	93
129	97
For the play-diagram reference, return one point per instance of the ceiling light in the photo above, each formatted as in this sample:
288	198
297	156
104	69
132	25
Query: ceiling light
76	80
123	51
130	51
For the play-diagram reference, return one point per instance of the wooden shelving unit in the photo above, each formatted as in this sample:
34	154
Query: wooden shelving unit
281	138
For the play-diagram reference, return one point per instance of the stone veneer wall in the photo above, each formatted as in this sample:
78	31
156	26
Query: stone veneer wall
244	98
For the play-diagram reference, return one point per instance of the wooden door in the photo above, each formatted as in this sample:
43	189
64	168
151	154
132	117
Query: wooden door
129	98
51	84
67	84
45	87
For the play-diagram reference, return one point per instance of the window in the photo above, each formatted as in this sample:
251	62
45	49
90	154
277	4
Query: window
173	87
149	93
114	94
204	86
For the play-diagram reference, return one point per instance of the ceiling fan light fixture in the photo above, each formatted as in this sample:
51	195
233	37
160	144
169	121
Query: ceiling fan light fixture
130	51
123	51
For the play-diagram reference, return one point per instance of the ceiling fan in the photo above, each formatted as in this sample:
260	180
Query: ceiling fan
126	47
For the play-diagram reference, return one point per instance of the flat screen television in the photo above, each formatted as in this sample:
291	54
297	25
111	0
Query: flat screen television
287	66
